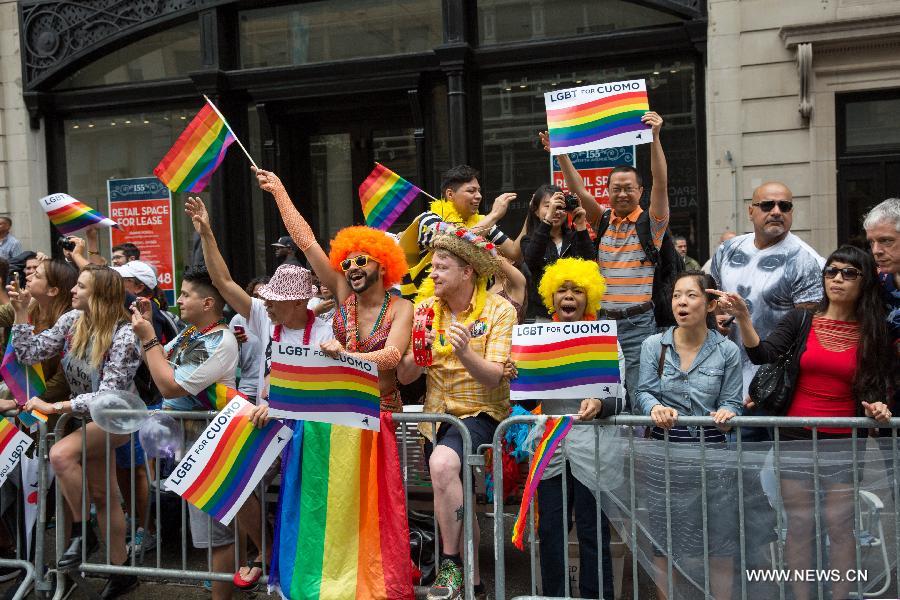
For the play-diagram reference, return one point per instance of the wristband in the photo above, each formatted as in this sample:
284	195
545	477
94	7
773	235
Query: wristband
424	317
150	344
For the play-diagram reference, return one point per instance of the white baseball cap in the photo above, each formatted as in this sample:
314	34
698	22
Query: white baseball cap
138	269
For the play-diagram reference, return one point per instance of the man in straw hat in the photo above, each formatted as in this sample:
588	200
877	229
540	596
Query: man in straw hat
361	267
470	339
278	315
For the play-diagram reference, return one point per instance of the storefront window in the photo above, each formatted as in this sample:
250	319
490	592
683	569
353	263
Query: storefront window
164	55
503	21
123	146
317	32
513	112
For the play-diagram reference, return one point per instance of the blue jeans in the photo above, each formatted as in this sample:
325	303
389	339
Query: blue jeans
632	331
554	536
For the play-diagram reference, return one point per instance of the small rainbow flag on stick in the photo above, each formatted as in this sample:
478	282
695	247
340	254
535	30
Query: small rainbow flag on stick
198	152
555	430
218	395
69	215
575	360
340	527
600	116
229	459
384	196
305	384
23	381
13	444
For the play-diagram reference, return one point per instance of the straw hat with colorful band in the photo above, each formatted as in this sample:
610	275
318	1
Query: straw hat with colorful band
470	247
290	282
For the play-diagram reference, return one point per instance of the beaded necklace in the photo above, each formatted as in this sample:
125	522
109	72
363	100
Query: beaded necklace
353	340
190	334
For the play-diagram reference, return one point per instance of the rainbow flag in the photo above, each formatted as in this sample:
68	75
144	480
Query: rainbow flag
69	215
218	395
29	418
565	365
340	526
13	444
227	462
384	196
197	152
310	387
24	381
598	116
555	430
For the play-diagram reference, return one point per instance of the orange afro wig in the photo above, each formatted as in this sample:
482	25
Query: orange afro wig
377	244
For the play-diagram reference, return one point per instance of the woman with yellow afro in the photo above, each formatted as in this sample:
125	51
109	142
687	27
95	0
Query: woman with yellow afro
572	287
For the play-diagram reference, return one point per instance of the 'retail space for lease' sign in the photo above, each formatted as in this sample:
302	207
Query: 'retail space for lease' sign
565	360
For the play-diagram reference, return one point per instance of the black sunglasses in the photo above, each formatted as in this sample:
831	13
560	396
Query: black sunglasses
358	261
784	206
847	273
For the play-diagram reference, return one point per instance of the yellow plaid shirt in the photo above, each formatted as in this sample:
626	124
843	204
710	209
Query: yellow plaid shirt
451	389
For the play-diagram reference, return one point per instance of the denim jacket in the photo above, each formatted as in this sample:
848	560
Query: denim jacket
714	380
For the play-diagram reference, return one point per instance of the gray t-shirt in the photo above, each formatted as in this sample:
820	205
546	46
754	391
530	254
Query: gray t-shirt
772	281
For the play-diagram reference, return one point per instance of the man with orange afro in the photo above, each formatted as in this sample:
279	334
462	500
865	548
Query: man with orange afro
362	266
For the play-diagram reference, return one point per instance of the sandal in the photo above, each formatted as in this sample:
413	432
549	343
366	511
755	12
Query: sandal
245	584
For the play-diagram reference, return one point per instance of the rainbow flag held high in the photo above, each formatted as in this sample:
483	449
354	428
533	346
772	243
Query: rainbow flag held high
565	360
595	117
555	430
24	381
228	461
197	152
304	384
218	395
69	215
340	526
384	196
13	444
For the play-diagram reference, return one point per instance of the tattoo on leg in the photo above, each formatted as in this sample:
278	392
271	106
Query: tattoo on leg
459	513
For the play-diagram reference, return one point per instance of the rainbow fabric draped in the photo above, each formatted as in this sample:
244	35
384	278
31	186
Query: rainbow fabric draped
198	152
24	381
341	531
218	395
555	430
384	196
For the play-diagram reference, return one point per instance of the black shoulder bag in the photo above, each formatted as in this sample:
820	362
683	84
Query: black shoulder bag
772	388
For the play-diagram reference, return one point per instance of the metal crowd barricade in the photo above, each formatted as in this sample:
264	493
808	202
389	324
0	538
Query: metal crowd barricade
409	444
865	518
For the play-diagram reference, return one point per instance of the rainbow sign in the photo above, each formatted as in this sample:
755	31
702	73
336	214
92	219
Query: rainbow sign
227	461
594	117
13	444
555	430
384	196
69	215
565	360
307	385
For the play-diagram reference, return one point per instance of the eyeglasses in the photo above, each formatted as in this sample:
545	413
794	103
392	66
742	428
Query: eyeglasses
357	261
784	206
628	190
847	273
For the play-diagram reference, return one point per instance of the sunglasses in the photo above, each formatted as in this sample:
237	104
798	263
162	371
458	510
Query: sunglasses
784	206
357	261
847	273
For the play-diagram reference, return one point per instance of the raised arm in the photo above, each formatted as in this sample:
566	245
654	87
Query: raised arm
574	181
233	294
302	234
659	193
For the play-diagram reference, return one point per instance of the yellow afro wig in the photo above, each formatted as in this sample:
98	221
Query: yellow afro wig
377	244
585	273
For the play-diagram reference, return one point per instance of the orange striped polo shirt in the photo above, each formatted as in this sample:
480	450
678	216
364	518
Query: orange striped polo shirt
629	276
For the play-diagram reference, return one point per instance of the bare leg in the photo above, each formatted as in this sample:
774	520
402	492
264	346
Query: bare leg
249	519
138	510
721	574
800	508
839	523
101	491
223	562
65	457
660	576
444	465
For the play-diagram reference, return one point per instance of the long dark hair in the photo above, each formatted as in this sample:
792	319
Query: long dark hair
531	220
706	282
875	358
